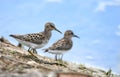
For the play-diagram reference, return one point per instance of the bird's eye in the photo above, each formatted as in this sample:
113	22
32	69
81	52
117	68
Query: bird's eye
52	26
71	33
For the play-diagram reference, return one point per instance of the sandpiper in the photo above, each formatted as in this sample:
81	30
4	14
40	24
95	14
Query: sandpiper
62	45
37	40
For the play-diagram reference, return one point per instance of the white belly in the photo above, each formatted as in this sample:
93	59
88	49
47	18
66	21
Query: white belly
57	51
32	45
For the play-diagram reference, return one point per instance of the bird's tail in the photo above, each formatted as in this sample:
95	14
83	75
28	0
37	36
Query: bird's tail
13	36
45	50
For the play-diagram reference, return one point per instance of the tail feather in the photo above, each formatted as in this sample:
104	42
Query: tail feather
13	36
45	50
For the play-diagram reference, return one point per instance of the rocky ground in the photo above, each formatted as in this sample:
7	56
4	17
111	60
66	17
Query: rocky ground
17	62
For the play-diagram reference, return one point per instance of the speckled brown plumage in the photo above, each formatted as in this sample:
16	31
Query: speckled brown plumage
36	40
62	45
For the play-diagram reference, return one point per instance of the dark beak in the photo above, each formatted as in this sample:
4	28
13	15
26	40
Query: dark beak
58	30
76	36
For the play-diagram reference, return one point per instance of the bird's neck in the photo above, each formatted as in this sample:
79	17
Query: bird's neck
69	38
47	33
69	41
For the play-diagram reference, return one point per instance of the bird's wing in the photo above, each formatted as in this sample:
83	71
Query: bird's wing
33	38
62	44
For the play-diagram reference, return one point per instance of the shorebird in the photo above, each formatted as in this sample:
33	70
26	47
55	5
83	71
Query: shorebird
62	45
36	40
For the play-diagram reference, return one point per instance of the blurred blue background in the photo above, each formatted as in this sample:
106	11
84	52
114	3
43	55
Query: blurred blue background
97	22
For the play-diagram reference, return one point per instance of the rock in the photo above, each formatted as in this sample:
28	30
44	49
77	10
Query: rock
18	62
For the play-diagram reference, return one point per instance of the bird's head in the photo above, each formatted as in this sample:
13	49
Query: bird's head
49	26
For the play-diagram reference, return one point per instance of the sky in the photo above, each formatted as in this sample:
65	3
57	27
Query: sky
96	22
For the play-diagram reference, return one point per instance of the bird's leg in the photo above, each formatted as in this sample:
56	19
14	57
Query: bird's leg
61	57
20	45
29	49
56	57
34	51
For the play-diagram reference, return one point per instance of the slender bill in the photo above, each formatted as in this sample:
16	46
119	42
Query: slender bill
76	36
58	30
